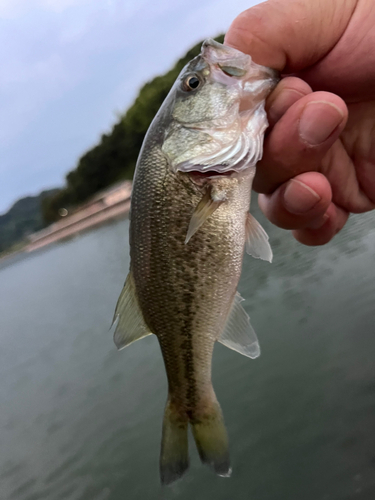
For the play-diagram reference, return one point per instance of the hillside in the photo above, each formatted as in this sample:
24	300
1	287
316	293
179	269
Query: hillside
23	218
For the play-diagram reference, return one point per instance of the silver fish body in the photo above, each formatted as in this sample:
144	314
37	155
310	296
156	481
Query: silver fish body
189	224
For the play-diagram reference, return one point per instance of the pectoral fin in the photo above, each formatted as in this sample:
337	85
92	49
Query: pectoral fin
238	334
205	208
130	325
257	240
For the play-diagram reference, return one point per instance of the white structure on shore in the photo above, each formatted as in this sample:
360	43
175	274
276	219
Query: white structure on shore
106	205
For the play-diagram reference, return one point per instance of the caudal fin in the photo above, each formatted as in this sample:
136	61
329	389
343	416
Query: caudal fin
174	456
212	440
210	437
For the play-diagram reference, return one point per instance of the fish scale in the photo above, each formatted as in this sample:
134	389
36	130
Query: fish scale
188	287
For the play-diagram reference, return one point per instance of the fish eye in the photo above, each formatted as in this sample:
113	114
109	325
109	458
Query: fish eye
192	82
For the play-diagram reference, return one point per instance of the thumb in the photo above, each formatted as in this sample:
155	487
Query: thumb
290	35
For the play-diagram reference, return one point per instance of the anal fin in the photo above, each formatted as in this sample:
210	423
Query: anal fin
130	325
238	333
257	240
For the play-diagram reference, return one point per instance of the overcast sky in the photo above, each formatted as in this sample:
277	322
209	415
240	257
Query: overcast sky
68	67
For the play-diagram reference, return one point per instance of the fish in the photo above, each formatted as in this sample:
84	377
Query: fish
189	226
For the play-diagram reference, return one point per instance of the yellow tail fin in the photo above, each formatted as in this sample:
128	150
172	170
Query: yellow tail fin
212	441
210	437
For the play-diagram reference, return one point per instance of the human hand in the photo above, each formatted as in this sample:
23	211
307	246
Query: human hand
318	164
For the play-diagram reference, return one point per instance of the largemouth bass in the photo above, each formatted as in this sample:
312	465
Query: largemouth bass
190	222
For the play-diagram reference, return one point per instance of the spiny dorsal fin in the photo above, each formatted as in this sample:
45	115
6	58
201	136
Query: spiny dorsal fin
205	208
257	240
238	334
131	325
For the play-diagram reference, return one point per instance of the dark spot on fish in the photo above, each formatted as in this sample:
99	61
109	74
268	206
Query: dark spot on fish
185	344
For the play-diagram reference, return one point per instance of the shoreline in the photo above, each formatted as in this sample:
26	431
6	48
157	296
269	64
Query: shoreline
114	203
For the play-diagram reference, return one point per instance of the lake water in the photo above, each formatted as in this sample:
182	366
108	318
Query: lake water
81	421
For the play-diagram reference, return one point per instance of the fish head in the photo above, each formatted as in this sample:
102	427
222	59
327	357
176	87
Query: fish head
217	116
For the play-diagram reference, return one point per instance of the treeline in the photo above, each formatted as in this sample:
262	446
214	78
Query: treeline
114	158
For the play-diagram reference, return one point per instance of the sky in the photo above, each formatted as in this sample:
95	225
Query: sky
68	68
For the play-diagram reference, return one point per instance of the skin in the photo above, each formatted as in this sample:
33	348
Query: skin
319	155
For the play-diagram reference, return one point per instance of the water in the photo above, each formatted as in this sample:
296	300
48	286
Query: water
81	421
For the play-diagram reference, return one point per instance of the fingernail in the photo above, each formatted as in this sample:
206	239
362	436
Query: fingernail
319	223
282	103
319	119
299	198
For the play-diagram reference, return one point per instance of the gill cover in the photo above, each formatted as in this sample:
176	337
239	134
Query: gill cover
219	124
